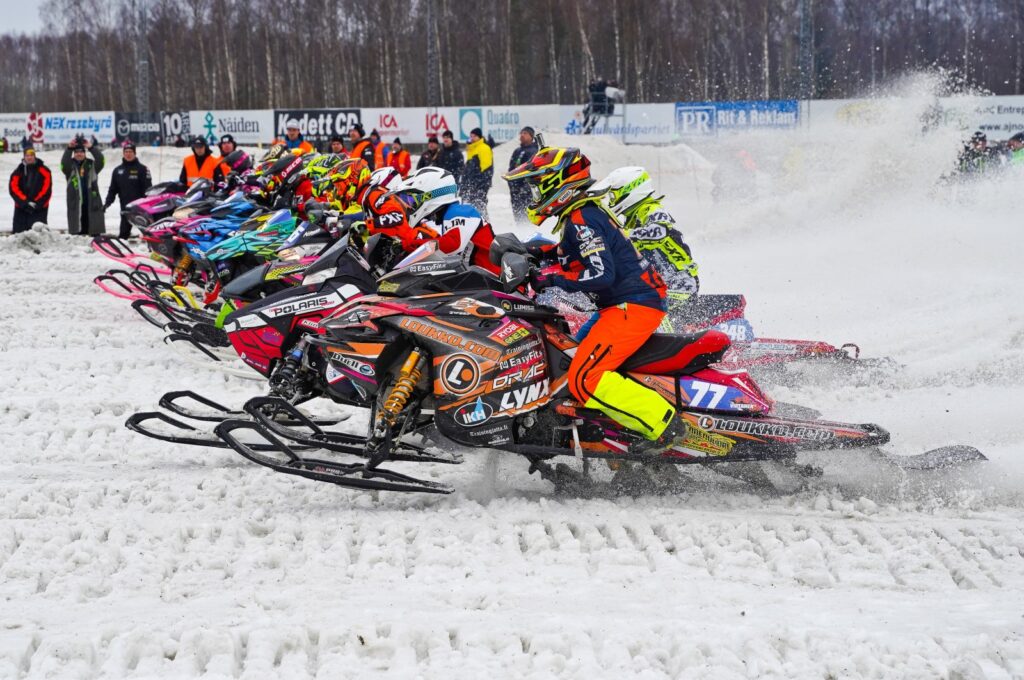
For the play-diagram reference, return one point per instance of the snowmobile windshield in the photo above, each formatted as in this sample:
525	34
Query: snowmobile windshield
421	253
327	264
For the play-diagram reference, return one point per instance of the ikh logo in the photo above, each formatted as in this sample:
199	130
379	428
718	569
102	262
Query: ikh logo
460	374
473	414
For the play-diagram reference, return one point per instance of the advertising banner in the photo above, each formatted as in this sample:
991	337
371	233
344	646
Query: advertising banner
642	123
13	126
710	118
998	117
175	124
141	128
317	125
252	126
503	123
62	127
407	124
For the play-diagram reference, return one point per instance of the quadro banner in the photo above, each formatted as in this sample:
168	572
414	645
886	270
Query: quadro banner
62	127
175	124
13	126
710	118
252	126
141	128
317	125
503	123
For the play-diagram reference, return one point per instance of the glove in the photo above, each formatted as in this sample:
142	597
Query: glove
540	281
31	205
538	251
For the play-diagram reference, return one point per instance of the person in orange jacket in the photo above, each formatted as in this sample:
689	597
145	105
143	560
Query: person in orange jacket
399	158
361	146
201	164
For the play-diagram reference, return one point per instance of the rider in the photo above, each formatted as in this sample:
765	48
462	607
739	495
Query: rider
432	198
596	258
652	230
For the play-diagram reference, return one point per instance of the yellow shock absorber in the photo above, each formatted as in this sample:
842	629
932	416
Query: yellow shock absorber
183	264
410	374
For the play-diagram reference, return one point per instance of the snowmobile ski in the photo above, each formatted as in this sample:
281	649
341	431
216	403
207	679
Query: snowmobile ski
216	412
942	458
350	475
180	432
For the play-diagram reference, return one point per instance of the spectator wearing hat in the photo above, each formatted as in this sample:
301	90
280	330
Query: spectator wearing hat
337	144
381	151
1015	149
399	158
519	190
432	155
85	203
31	186
293	139
202	164
451	155
129	183
479	171
361	146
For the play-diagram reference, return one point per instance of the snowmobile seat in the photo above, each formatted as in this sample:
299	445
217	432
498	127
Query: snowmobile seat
665	354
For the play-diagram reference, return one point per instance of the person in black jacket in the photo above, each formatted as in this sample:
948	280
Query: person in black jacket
130	181
451	155
519	191
432	156
31	186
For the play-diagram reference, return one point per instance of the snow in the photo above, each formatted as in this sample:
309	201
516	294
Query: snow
123	557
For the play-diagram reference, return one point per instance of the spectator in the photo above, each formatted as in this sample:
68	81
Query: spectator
479	171
380	150
399	158
3	145
31	185
128	183
226	145
201	164
519	190
179	142
337	145
451	156
361	146
293	139
431	156
85	204
26	143
1015	149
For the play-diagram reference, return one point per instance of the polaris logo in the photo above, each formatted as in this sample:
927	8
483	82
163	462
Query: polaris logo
517	399
303	305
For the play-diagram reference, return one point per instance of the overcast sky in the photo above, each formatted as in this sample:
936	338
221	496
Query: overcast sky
20	16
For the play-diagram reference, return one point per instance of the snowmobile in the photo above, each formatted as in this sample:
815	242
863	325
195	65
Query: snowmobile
159	201
486	368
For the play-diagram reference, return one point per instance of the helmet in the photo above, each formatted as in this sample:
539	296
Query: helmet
625	188
389	178
321	164
273	153
426	190
239	161
348	177
556	177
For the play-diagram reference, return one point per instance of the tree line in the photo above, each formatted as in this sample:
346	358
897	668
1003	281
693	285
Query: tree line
238	54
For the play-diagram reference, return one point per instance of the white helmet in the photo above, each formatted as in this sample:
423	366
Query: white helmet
625	188
389	178
426	190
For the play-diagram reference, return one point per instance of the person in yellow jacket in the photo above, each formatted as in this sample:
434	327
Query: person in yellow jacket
479	171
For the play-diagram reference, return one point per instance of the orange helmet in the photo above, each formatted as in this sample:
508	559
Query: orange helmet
348	178
556	177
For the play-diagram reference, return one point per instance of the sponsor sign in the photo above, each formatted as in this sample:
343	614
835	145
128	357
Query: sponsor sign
436	121
62	127
317	125
710	118
141	128
460	374
13	126
640	124
251	126
390	123
776	429
474	413
998	117
174	123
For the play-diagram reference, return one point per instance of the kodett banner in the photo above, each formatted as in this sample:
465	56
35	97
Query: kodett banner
710	118
318	125
13	126
141	128
60	128
253	126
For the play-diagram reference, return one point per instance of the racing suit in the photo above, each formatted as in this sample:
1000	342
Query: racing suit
386	215
652	230
461	229
597	259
